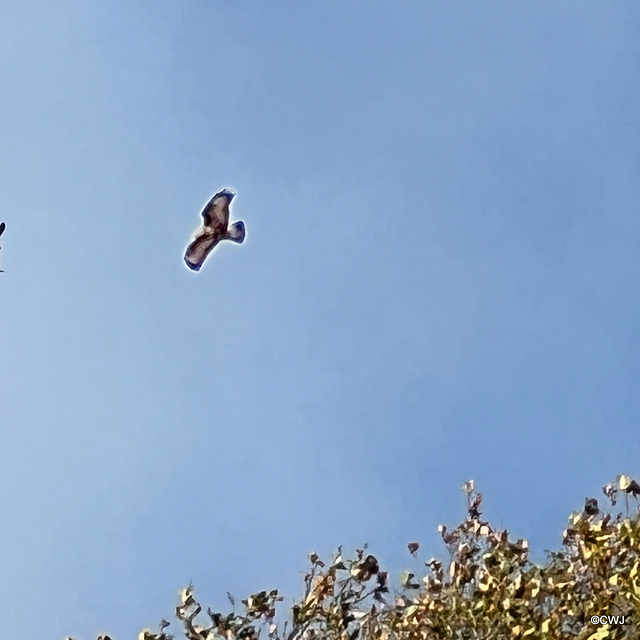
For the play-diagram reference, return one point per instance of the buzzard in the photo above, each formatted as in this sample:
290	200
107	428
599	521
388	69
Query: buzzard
215	227
3	226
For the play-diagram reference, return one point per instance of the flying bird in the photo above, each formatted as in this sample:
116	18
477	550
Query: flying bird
3	226
215	227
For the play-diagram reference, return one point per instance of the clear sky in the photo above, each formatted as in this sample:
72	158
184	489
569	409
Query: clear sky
439	282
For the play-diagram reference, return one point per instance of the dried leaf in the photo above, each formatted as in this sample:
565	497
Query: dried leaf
407	580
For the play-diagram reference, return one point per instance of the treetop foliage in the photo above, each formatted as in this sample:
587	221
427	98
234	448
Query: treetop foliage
487	589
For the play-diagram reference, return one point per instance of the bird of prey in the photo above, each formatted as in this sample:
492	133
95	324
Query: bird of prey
3	226
215	227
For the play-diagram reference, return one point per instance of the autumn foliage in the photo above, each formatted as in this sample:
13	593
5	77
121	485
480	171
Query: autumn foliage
487	589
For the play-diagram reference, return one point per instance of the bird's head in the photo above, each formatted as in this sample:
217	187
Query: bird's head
228	193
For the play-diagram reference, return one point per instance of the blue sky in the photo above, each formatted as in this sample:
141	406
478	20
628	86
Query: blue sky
439	282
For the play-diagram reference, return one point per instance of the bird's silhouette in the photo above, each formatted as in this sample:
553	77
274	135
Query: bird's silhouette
3	226
215	227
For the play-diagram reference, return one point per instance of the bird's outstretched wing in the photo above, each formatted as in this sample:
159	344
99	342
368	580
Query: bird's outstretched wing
216	211
199	248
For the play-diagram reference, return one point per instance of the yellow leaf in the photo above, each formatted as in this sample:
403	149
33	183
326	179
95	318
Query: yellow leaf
623	482
485	583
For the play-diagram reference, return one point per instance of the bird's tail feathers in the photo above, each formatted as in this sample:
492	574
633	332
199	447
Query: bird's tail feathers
236	232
